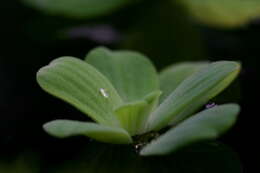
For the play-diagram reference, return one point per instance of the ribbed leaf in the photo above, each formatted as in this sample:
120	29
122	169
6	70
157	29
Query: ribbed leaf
81	85
206	125
194	92
152	101
131	73
173	75
223	13
133	116
78	8
130	115
68	128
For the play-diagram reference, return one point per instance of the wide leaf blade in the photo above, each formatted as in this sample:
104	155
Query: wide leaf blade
172	76
131	73
81	85
194	92
206	125
68	128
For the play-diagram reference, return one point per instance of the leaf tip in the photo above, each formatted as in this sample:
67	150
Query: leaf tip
53	129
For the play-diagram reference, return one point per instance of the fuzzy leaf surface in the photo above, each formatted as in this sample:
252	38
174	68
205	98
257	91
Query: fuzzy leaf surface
81	85
133	116
206	125
172	76
194	92
131	73
68	128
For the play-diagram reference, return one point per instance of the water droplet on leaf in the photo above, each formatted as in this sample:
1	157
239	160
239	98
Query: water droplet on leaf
138	147
103	92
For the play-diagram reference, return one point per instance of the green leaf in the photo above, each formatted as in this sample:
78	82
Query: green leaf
133	116
194	92
152	101
172	76
78	8
131	73
223	13
81	85
130	115
206	125
68	128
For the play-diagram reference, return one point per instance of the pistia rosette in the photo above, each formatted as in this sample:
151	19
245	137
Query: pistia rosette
120	91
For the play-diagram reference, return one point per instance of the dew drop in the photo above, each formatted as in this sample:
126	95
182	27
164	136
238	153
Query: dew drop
138	147
103	92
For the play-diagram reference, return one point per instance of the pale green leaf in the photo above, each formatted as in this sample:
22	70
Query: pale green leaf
68	128
133	116
130	115
81	85
206	125
194	92
223	13
78	8
131	73
172	76
152	102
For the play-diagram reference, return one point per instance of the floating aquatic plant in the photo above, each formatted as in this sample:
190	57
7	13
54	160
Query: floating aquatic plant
130	103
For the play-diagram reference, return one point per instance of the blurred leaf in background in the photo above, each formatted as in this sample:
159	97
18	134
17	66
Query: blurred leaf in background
78	8
223	13
216	13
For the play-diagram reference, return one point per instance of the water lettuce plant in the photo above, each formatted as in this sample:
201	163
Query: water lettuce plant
120	91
